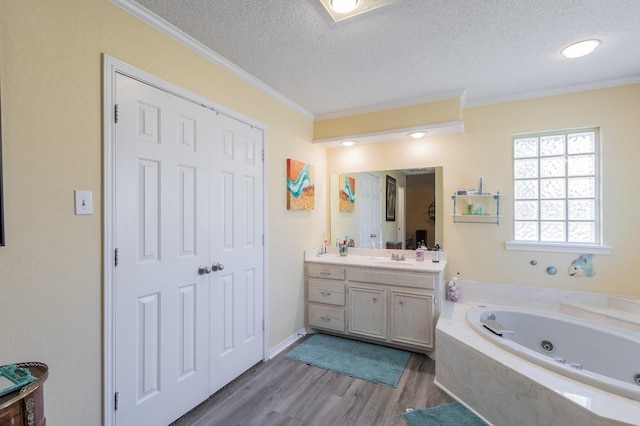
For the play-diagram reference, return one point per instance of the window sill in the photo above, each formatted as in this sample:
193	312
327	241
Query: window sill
558	247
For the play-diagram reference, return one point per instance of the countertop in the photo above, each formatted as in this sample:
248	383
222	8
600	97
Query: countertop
381	259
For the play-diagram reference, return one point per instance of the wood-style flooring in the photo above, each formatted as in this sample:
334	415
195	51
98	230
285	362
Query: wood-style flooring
284	392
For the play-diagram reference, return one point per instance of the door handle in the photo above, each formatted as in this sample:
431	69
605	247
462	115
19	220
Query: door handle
215	266
204	270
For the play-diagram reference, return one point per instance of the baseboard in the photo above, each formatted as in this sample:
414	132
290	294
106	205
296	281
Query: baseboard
286	343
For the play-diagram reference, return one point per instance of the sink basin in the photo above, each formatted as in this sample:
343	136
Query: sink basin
389	262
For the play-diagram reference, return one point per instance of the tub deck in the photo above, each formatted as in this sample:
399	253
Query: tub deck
504	389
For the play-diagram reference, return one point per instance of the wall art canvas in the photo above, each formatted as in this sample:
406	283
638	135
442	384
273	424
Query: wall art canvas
347	194
391	199
300	185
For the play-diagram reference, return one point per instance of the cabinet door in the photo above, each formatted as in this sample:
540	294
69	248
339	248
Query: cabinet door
412	318
368	311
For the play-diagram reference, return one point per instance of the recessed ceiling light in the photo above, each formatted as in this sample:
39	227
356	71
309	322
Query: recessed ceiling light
349	143
343	6
417	134
339	10
580	48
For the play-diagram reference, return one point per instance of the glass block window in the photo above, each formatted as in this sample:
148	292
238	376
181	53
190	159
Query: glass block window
556	187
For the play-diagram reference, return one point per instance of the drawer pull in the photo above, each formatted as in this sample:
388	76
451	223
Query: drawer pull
325	293
323	318
325	273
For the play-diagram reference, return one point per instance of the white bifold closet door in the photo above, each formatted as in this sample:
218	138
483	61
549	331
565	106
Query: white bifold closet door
188	196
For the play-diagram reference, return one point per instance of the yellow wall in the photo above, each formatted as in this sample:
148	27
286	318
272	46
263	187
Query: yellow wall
51	267
444	111
477	251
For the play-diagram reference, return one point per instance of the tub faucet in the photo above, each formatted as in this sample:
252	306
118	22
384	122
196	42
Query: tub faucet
495	327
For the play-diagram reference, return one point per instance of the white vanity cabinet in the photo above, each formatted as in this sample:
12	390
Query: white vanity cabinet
410	310
367	311
389	305
325	290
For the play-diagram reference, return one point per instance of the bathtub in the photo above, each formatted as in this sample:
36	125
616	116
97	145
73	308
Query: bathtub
589	352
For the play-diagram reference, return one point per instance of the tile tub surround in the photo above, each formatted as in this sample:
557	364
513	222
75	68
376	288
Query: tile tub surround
505	389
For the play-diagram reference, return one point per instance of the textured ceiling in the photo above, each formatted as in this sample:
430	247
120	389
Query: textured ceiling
415	50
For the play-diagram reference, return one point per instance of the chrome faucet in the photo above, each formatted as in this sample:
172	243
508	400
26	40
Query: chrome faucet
398	257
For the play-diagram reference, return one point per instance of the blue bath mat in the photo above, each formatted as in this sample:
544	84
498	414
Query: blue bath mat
373	363
454	414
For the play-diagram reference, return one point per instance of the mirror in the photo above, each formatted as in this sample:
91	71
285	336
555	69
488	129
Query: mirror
13	378
361	202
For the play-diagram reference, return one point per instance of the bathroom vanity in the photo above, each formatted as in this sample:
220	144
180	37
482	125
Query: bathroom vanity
390	302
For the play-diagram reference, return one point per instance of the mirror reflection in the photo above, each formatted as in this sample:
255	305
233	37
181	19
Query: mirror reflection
394	209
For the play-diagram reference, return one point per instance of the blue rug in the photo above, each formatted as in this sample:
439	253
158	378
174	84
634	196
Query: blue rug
373	363
454	414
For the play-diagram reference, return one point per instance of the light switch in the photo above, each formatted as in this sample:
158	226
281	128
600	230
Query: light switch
84	202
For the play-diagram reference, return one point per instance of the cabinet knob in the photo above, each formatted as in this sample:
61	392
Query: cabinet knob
401	302
375	299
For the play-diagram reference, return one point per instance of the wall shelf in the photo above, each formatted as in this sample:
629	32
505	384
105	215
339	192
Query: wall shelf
476	208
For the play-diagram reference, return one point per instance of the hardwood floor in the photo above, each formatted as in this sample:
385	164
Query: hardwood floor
284	392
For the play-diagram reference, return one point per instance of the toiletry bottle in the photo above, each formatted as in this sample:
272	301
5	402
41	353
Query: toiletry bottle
419	254
343	250
435	256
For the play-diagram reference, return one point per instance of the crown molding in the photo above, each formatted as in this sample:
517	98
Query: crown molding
551	92
170	30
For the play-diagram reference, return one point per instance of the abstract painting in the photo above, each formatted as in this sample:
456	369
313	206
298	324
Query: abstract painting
347	194
300	185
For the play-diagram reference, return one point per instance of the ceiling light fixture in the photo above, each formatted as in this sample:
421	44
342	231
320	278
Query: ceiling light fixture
344	6
580	48
339	10
417	134
349	143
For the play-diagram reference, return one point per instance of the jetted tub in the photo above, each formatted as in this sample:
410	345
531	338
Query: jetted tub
595	354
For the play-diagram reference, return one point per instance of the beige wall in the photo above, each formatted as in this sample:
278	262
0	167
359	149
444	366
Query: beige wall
51	268
477	251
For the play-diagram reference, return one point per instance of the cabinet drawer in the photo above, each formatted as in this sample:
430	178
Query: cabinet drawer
404	279
325	317
330	272
328	292
11	415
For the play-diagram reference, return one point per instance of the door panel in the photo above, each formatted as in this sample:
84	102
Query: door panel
161	227
370	210
236	242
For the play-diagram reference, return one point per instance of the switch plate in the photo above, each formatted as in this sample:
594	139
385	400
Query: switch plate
84	202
